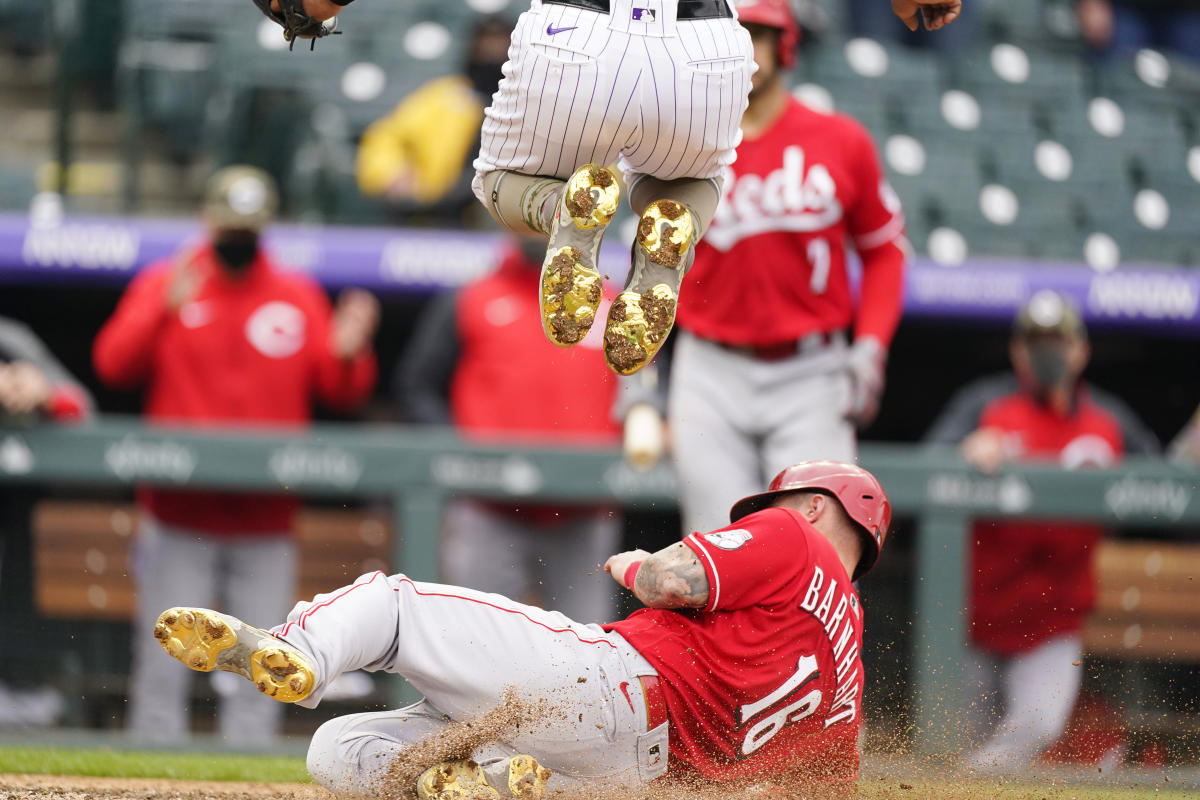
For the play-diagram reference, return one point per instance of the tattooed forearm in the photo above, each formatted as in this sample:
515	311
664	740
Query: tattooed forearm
672	578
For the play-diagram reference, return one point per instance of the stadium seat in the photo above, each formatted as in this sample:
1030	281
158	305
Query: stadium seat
869	69
1011	73
1150	78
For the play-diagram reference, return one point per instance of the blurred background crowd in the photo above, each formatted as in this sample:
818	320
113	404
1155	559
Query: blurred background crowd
1033	133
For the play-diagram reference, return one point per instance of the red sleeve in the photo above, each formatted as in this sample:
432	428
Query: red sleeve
340	385
751	560
69	404
122	351
876	225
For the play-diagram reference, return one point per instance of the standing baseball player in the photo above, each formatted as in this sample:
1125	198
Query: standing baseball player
775	357
221	334
743	667
660	86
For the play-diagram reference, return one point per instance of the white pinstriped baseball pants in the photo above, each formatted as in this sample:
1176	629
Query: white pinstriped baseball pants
583	87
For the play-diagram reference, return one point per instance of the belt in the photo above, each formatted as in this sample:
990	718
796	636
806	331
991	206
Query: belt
784	350
656	705
686	9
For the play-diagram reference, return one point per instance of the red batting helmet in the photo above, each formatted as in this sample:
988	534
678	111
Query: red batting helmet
857	490
773	14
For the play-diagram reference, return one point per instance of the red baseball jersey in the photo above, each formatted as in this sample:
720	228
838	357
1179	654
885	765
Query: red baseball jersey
767	678
248	351
1033	579
510	380
772	266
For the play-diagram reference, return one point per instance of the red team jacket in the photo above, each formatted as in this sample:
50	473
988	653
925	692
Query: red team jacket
509	379
772	267
253	351
1034	579
767	679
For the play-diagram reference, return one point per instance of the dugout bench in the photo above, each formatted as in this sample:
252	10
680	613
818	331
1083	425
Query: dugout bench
417	469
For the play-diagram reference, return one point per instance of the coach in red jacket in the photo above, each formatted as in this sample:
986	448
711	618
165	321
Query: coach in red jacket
219	335
1032	581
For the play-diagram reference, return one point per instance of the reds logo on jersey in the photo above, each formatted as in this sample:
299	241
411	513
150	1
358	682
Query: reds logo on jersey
276	329
793	197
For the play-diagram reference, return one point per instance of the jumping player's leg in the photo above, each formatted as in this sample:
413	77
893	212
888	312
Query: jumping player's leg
691	106
673	215
546	135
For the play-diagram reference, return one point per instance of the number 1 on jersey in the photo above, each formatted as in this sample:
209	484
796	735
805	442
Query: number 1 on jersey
819	258
766	728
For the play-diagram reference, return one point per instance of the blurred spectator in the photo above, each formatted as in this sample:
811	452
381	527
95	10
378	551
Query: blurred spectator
1122	27
217	335
478	360
775	361
1032	581
418	158
1185	447
875	20
33	386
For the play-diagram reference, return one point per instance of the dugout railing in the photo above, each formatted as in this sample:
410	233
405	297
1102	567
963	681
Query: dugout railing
418	468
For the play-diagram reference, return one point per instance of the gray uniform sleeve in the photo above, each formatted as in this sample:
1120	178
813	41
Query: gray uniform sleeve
422	383
961	415
19	343
1137	437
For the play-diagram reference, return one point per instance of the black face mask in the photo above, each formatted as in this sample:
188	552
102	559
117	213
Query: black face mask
1048	363
485	76
236	250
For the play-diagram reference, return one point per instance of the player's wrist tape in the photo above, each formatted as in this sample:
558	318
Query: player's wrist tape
631	574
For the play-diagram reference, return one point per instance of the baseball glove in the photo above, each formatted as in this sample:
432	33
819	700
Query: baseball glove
295	22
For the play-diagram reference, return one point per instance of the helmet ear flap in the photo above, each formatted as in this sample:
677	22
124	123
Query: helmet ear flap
789	38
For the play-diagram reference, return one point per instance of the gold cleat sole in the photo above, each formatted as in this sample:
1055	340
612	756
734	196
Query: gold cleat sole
526	777
665	232
592	196
205	640
455	780
571	292
638	325
571	286
642	316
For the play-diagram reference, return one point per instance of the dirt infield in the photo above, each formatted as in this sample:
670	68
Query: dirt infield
58	787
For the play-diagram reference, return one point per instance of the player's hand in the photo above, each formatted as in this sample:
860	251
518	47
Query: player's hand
23	388
936	14
867	364
319	10
354	322
645	437
1096	22
616	565
184	282
985	449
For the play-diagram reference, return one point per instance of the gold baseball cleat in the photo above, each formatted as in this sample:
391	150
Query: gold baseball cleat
520	776
643	314
205	640
571	286
526	777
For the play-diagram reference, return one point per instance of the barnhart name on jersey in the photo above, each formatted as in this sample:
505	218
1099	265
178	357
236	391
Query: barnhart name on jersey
786	199
833	606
